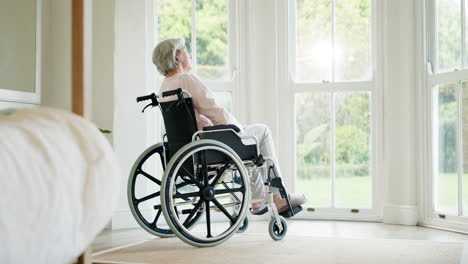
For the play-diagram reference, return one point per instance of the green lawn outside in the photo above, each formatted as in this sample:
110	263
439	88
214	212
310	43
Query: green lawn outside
448	193
355	192
351	192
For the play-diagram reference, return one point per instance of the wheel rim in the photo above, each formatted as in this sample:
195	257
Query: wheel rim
209	188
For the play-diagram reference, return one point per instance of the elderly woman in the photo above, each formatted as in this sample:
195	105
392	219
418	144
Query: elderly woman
173	61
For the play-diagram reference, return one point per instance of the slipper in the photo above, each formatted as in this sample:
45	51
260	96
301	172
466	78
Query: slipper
260	210
295	200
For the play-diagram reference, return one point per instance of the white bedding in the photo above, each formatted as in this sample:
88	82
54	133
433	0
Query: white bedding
59	181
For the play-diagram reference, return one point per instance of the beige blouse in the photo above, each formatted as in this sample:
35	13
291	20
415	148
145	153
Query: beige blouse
207	111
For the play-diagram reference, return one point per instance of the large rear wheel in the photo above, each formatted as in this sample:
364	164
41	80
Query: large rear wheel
143	191
217	182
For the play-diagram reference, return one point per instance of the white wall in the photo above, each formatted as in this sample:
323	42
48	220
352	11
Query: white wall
400	112
57	71
132	79
118	57
103	64
5	105
56	59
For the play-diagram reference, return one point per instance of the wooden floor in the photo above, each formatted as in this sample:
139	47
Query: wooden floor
339	229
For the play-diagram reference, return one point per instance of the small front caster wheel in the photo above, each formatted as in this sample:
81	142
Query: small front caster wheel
274	230
244	225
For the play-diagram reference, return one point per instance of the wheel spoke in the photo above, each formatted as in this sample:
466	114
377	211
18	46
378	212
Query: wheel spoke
221	207
228	190
156	194
193	212
186	195
233	194
192	178
158	214
182	184
208	220
204	169
220	173
147	175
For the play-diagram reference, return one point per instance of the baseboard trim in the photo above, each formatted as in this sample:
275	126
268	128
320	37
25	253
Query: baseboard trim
445	225
400	214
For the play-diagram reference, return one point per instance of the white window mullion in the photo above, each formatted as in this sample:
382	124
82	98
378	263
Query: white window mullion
232	38
435	44
460	146
463	33
333	41
436	146
194	37
332	149
293	43
431	36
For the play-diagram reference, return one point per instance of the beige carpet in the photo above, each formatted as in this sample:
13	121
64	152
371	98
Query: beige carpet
245	248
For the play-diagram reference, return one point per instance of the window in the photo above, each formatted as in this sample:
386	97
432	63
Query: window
446	78
333	41
333	87
209	30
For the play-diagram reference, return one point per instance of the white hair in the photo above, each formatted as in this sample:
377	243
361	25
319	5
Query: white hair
164	54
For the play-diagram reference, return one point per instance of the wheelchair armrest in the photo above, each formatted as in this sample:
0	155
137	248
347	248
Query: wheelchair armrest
228	134
222	127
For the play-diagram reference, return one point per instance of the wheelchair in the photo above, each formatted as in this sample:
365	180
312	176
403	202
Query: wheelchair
204	191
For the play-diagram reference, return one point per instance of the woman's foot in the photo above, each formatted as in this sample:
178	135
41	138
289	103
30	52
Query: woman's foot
259	208
294	199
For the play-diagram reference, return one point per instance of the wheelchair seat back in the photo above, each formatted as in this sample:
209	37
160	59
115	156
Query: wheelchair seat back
180	123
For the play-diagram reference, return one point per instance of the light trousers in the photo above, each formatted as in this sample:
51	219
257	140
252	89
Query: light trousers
267	148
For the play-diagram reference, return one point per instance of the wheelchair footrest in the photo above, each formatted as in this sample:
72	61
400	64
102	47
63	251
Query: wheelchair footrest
289	213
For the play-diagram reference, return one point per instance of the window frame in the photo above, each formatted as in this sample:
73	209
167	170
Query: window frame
373	86
430	80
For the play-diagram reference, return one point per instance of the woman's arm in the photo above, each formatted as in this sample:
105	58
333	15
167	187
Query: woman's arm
204	102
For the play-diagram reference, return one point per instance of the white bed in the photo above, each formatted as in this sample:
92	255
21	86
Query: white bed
59	181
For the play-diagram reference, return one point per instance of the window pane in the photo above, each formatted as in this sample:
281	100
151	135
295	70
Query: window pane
446	180
465	148
466	35
175	20
224	99
212	39
353	180
313	147
448	35
352	53
313	41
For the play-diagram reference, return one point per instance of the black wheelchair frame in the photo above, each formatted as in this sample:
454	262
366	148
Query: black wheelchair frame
205	172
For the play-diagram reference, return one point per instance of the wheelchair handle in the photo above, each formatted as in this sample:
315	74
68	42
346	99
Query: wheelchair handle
152	97
172	92
146	97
